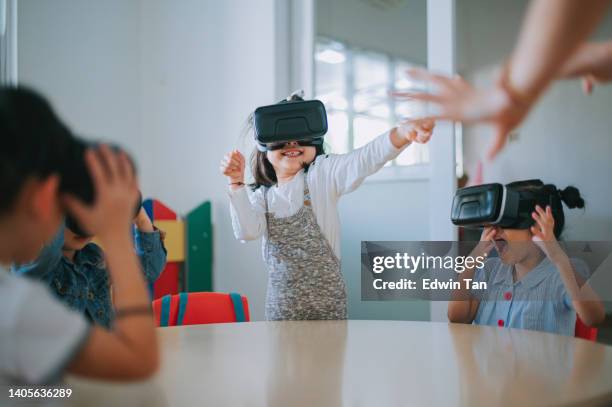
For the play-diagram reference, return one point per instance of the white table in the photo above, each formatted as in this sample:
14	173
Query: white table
365	363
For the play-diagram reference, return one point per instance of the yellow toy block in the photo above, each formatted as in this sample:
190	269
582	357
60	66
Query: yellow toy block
175	238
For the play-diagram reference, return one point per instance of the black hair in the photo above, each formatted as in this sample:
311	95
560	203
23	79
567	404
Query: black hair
34	142
549	195
262	169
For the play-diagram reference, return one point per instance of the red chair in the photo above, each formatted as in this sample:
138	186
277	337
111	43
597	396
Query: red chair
585	332
200	308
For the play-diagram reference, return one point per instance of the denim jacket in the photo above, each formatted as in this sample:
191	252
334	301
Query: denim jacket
84	284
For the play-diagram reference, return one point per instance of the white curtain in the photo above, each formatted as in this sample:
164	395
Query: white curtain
8	42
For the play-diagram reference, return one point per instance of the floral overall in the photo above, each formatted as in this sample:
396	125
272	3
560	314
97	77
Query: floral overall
305	282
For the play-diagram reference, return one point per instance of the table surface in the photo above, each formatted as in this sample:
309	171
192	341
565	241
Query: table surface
365	363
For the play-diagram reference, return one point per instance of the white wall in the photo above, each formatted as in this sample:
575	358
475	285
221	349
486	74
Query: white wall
85	56
172	81
382	211
205	65
399	30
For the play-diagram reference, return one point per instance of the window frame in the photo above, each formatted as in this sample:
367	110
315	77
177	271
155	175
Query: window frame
393	172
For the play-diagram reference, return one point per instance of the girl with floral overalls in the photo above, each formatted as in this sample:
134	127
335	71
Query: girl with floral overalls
292	204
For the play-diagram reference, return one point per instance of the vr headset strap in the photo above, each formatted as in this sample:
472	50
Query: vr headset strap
503	205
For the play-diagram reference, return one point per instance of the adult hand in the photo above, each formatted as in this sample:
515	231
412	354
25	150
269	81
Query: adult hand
592	62
457	100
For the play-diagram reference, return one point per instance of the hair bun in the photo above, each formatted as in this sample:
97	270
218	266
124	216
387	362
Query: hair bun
571	197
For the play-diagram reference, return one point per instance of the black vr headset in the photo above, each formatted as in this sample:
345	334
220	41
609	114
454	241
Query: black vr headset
291	119
507	206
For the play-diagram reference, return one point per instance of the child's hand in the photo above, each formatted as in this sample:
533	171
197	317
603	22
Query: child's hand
232	166
543	232
487	240
143	222
417	131
116	192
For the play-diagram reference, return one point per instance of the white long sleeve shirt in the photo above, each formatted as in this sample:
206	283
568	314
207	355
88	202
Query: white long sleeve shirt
39	335
329	177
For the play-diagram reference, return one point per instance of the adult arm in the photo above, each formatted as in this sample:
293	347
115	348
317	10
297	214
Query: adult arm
551	32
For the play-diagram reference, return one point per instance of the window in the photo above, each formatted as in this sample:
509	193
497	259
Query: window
354	85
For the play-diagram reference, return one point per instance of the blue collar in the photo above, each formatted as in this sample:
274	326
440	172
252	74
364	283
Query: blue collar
90	255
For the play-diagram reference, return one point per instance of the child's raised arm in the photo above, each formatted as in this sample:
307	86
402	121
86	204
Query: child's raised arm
130	350
347	171
153	254
463	306
248	224
584	299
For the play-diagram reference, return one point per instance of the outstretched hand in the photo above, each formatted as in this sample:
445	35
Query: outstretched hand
592	62
458	100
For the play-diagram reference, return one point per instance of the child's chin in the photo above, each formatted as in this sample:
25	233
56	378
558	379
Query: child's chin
507	260
294	164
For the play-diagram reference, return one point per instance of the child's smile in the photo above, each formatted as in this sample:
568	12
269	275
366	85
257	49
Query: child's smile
290	159
292	152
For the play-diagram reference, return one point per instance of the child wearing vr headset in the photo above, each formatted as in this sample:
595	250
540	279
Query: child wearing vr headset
293	203
74	267
41	338
532	283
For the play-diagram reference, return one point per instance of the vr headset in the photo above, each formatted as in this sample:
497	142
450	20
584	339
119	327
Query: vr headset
292	119
507	206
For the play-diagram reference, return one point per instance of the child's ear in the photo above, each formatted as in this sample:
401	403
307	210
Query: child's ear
44	198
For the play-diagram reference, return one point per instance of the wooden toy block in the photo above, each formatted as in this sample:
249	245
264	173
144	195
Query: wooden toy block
147	204
169	280
199	259
175	238
162	212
